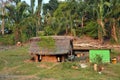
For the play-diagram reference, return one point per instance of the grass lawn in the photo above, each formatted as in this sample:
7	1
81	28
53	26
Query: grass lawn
14	65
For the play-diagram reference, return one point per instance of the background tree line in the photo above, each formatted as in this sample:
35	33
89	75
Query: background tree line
98	19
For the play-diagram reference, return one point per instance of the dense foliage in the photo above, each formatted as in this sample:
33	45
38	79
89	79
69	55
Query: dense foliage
99	19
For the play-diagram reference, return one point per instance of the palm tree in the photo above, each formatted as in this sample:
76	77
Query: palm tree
3	4
17	13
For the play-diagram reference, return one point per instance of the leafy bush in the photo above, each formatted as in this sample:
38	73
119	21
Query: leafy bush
91	29
48	30
98	59
24	37
80	31
2	62
41	33
68	65
7	40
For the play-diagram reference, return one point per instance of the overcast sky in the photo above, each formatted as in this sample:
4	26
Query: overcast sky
28	1
44	1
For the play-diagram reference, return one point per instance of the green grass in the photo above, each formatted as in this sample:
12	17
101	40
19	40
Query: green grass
43	43
14	62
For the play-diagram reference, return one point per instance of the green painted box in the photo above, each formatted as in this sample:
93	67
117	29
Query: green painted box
105	53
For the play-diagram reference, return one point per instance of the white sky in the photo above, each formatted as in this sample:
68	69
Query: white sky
44	1
28	1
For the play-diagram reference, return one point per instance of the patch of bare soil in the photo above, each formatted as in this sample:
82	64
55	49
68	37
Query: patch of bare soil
86	39
89	42
43	66
48	79
18	77
110	73
6	69
46	66
28	61
2	48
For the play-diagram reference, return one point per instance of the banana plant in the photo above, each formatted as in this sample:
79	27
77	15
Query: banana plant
100	10
113	17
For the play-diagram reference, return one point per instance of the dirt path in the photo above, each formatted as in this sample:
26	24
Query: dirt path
7	70
18	77
23	77
47	68
4	74
111	73
2	48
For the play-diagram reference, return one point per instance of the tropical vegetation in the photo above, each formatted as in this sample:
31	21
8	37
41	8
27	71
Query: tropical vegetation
99	19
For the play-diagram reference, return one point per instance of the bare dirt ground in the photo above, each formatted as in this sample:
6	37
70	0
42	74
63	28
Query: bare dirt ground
86	41
2	47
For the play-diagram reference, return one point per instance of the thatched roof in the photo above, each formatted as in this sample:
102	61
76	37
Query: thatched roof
62	46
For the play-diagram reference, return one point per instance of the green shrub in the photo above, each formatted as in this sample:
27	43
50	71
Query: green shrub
91	29
7	40
98	59
3	64
41	33
24	37
48	30
80	31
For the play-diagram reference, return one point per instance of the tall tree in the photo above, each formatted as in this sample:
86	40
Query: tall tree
51	7
17	13
32	6
99	11
3	4
39	6
113	17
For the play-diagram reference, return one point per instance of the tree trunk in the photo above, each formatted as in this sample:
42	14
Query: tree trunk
100	37
66	30
102	30
82	24
17	35
3	21
38	24
32	5
113	31
101	23
39	16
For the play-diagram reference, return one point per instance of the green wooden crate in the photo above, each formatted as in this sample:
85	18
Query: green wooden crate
105	53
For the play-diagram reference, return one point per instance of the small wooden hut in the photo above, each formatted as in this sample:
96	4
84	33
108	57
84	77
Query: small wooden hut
63	48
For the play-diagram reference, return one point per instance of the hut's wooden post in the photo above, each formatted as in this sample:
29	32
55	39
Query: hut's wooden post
95	67
63	59
36	58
